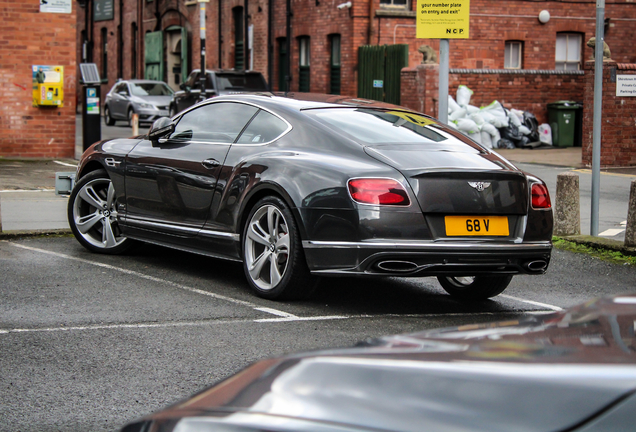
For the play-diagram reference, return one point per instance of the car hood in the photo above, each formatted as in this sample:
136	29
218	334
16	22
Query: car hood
542	373
155	100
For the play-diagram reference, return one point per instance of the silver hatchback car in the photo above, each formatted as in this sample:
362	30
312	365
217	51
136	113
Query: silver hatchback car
149	99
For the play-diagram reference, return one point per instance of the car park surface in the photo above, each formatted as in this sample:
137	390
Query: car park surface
91	342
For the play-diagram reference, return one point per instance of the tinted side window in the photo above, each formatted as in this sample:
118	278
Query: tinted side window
219	122
264	128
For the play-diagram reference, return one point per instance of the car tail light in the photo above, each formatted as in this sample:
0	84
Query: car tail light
540	197
378	191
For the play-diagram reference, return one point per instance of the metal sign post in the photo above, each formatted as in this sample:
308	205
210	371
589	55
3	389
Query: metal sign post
443	21
598	109
202	75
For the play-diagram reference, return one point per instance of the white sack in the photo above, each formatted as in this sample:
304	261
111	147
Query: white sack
498	112
452	105
472	109
475	136
545	134
468	126
486	139
524	130
456	115
477	118
492	132
463	95
514	119
518	113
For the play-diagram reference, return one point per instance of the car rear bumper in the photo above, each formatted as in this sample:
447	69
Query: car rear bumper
411	258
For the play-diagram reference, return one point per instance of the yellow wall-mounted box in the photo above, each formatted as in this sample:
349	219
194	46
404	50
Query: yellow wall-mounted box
48	85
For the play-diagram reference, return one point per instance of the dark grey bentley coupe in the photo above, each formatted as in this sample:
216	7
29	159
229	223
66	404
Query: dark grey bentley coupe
313	185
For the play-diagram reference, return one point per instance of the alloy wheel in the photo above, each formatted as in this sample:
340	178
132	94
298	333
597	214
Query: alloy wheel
95	214
267	247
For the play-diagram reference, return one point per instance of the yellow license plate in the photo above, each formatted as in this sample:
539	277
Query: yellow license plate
476	225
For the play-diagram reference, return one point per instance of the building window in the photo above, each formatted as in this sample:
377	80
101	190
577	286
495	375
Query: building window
513	54
239	45
568	51
303	73
104	53
394	3
133	52
334	66
282	64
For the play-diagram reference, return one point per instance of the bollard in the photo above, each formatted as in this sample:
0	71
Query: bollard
568	207
630	231
135	124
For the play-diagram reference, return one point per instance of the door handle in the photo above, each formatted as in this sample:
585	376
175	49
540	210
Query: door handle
210	163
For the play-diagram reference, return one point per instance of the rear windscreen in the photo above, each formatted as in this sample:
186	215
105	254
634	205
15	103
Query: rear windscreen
250	82
380	126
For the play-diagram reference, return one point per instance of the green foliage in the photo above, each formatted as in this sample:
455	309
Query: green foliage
609	255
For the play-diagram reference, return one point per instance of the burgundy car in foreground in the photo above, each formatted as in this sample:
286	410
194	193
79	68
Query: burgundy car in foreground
573	370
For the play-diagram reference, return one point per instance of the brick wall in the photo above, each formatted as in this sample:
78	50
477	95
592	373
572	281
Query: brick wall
524	90
618	140
32	38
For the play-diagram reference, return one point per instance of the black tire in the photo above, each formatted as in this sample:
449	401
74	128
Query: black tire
474	287
107	118
273	257
92	215
129	117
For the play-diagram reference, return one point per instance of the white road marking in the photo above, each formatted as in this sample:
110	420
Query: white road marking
65	164
276	312
624	223
611	232
25	190
155	279
201	323
545	305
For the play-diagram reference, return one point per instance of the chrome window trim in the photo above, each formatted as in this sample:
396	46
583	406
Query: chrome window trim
209	102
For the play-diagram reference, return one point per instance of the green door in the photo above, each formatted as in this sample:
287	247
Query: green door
379	71
154	56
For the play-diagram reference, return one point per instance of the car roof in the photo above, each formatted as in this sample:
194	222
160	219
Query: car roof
306	101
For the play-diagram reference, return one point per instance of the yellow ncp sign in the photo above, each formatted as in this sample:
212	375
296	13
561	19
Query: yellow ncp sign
443	19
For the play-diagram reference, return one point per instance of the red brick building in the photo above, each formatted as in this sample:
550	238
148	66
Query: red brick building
511	55
35	36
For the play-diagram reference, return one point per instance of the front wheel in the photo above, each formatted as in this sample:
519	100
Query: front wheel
273	258
474	287
92	215
107	117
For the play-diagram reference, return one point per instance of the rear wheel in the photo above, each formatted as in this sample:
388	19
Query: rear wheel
474	287
92	215
273	258
130	114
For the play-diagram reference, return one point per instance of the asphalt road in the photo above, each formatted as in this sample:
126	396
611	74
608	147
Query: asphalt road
89	342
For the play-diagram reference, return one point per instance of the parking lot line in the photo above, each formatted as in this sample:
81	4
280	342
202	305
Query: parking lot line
210	322
157	280
545	305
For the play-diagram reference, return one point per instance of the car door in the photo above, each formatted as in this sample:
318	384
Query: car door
170	184
121	97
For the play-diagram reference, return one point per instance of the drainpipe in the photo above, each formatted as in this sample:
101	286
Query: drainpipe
245	33
288	43
270	45
220	42
121	40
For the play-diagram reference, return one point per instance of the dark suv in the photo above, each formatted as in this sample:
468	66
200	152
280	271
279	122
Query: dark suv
218	82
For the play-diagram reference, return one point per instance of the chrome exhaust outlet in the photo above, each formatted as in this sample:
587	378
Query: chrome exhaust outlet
397	266
537	265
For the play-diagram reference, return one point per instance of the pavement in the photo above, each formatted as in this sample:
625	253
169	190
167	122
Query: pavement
29	205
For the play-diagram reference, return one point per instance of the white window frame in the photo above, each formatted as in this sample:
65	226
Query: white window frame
568	51
392	4
513	60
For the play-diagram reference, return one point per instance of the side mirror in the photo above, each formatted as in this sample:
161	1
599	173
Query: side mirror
160	128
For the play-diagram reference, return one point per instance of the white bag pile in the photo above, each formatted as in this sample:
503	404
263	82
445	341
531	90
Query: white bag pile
483	124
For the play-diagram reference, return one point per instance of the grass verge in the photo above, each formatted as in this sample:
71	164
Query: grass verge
609	255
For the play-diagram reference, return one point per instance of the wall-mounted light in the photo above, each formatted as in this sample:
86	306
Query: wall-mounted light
544	16
344	5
